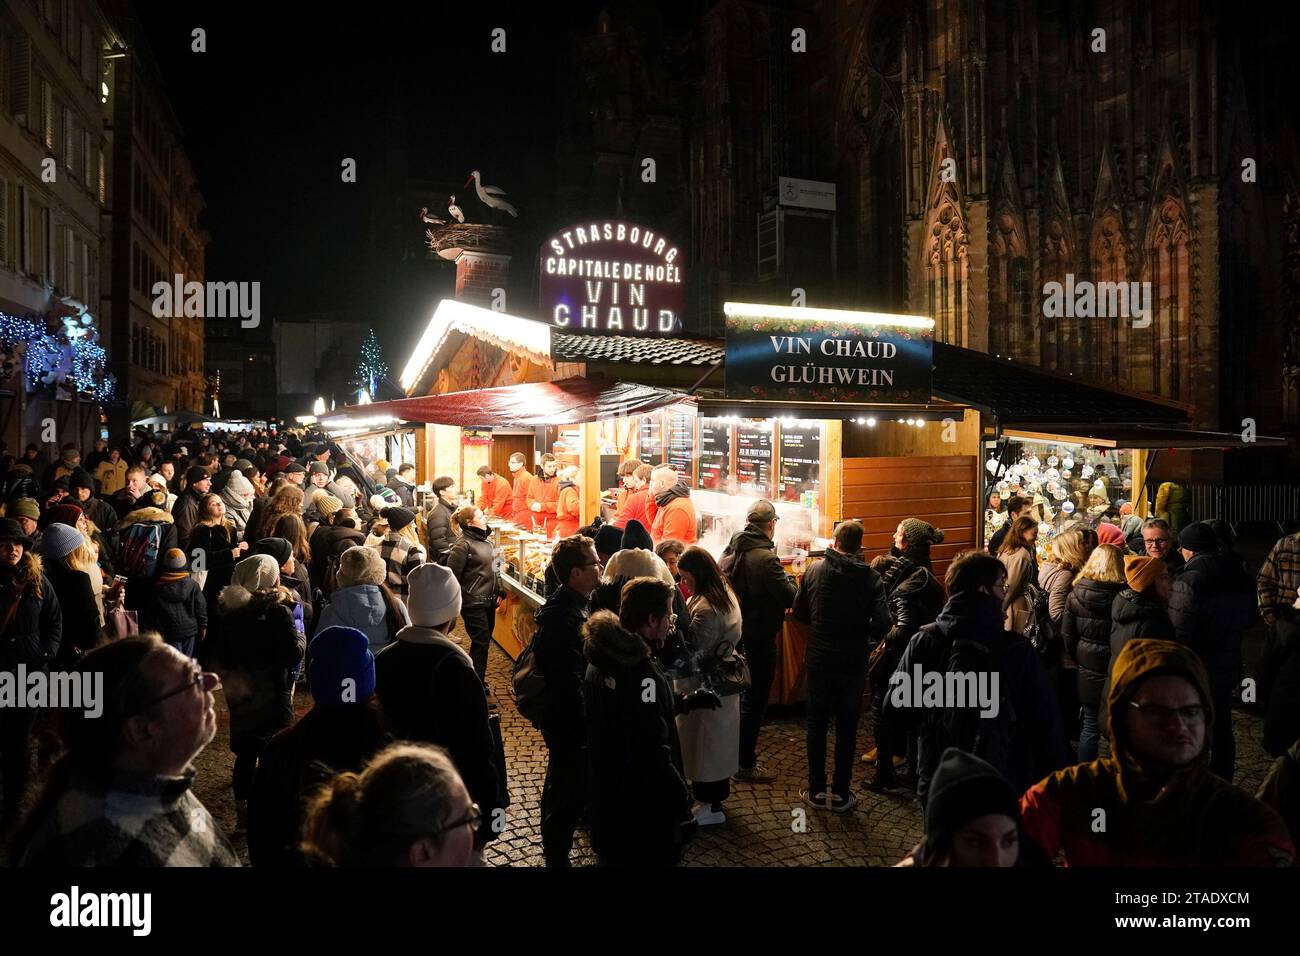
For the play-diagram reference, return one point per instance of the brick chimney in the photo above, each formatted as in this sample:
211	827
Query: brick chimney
478	273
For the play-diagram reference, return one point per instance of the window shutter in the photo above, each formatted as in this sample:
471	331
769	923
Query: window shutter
20	63
70	139
47	115
71	272
4	221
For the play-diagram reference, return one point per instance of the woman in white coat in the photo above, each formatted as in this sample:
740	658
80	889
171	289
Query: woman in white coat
710	739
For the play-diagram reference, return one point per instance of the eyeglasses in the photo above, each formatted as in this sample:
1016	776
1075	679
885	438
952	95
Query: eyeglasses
205	680
471	819
1158	713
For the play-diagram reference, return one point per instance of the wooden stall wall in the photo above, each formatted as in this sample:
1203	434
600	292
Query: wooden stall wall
881	492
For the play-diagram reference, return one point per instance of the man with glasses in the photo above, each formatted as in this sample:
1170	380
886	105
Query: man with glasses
1154	801
1158	542
120	795
557	651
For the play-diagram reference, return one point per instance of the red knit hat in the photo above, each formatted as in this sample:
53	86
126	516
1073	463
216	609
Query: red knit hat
64	513
1109	534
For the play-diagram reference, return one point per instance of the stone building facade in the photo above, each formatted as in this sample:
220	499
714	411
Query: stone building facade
984	150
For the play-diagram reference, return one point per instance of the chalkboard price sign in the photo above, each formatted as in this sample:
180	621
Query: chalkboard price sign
715	454
754	458
800	460
650	441
681	444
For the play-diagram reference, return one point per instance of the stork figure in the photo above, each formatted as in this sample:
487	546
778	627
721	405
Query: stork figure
431	220
454	210
491	195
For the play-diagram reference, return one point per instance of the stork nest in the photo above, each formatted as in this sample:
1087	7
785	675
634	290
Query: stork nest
466	235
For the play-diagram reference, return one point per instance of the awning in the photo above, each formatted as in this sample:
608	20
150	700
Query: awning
1143	436
1022	396
569	401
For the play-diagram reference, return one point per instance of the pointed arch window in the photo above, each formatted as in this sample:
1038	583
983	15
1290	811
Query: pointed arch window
1168	269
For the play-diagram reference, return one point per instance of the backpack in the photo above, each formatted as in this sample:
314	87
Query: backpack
528	685
140	545
990	738
1041	631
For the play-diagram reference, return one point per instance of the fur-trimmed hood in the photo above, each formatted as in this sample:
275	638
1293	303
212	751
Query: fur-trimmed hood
28	572
235	599
145	514
609	646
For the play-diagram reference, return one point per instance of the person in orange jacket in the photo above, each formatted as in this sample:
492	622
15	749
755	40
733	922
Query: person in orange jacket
494	495
543	495
519	512
672	514
625	471
568	505
635	505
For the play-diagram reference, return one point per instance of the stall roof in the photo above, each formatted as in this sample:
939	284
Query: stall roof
1021	395
1144	436
630	348
569	401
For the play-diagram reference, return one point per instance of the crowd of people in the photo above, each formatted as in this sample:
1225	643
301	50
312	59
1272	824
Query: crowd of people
268	565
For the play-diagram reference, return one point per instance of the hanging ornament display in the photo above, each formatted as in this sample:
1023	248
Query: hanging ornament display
991	465
1068	507
1053	461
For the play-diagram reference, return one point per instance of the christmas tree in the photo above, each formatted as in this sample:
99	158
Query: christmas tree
372	366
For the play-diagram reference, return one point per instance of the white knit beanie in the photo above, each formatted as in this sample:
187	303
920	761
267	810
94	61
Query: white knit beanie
257	573
637	563
434	595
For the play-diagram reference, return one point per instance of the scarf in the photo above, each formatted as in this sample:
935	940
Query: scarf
168	577
678	490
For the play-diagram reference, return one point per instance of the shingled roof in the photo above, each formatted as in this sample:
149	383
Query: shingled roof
632	349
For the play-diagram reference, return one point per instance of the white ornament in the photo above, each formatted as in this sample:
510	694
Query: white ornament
1068	507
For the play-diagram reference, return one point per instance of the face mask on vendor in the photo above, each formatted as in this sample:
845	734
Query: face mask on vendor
514	465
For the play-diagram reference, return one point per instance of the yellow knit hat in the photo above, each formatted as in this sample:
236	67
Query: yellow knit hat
1141	571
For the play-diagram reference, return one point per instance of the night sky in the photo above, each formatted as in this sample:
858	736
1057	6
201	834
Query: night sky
276	103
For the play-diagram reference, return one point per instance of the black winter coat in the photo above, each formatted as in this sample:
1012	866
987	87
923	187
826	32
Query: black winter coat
1038	744
329	541
1132	616
299	759
254	646
430	693
185	512
79	610
638	797
472	560
216	542
175	609
34	634
438	534
844	601
1086	630
1212	603
761	585
1282	721
557	649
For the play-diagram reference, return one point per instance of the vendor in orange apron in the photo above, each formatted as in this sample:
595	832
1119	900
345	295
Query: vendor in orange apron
519	512
568	505
543	496
495	493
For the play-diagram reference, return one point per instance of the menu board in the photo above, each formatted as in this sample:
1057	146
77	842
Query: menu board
800	470
715	454
681	444
754	458
650	442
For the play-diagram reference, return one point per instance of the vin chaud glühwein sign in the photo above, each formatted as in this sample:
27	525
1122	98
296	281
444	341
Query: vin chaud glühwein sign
827	355
615	278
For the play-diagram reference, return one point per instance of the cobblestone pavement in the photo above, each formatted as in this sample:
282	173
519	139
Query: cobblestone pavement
760	828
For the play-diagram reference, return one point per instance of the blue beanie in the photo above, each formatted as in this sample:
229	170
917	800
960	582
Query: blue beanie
341	654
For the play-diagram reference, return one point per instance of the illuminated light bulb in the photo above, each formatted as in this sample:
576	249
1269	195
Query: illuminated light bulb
871	423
